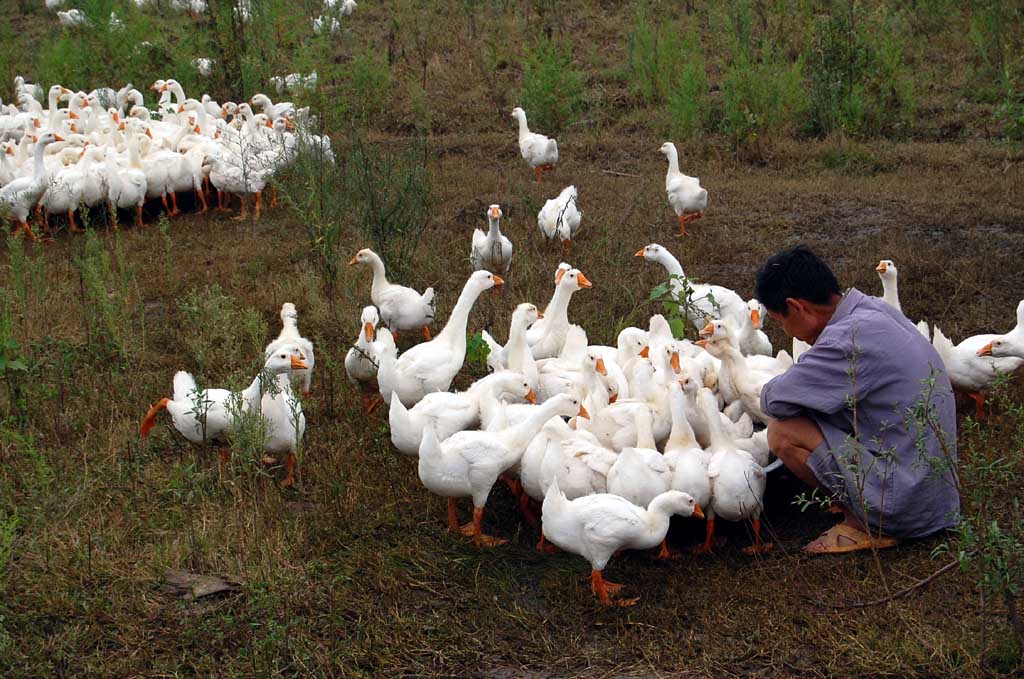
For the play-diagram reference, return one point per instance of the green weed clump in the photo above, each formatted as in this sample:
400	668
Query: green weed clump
656	58
218	333
764	98
859	81
368	82
109	300
552	93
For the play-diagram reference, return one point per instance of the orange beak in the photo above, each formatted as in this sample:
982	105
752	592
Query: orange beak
584	282
164	88
540	314
270	124
122	127
181	108
558	276
583	413
755	318
10	151
353	261
881	268
288	124
298	363
613	398
985	350
601	368
498	281
495	212
639	253
645	352
698	512
368	331
36	124
675	361
73	128
701	343
708	330
531	397
57	137
72	115
149	133
197	130
65	90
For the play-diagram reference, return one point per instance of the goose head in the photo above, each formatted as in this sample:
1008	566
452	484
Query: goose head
757	313
515	384
288	312
484	280
518	113
366	256
569	405
676	502
631	341
574	279
1003	347
526	314
652	252
668	149
560	271
370	319
689	378
886	270
494	213
285	361
716	330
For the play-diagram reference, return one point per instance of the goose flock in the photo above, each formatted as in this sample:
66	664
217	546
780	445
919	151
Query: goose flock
105	149
599	444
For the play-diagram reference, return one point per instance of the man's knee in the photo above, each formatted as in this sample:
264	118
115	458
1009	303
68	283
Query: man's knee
794	438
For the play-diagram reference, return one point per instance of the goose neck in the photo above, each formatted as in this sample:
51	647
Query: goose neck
457	322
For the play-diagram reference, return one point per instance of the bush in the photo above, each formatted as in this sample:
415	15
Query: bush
656	59
761	99
687	102
369	80
219	334
859	81
552	93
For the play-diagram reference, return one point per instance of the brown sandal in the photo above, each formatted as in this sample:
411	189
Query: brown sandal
844	538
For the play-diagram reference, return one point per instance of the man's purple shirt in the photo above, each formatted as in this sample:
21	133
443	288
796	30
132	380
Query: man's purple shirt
866	374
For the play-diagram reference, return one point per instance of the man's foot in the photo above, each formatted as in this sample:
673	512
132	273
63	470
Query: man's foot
844	538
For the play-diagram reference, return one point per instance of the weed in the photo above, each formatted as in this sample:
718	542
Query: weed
762	99
656	60
164	226
108	300
552	93
217	333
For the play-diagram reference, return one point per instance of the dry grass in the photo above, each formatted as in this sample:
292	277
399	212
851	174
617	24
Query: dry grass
352	573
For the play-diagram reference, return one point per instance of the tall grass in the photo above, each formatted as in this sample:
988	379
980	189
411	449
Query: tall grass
552	93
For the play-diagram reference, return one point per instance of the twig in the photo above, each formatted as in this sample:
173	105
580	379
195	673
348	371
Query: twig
620	174
895	595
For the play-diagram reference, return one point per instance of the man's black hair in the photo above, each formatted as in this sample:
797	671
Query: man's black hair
796	273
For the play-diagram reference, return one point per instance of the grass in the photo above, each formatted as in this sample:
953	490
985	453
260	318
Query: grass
352	574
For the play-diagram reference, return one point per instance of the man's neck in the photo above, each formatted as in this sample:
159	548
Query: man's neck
823	313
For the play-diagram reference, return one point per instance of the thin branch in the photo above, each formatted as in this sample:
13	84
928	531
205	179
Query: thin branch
620	174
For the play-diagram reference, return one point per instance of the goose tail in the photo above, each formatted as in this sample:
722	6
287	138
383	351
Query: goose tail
184	385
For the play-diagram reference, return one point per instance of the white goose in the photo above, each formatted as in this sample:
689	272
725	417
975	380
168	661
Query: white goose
516	354
469	462
705	299
290	335
286	424
126	186
20	195
217	404
597	526
1009	345
401	308
685	194
737	481
560	217
451	412
539	151
547	336
492	250
432	365
362	359
689	462
969	369
890	281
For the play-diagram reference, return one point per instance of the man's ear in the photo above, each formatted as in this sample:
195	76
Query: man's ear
794	305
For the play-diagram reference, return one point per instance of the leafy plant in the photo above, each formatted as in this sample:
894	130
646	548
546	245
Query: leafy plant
676	296
552	93
477	350
762	98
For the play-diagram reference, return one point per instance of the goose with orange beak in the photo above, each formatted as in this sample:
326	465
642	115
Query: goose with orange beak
361	361
598	526
560	217
539	151
401	308
492	250
469	463
1010	345
431	366
547	336
685	194
219	409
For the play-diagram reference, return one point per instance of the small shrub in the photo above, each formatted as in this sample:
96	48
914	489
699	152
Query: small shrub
217	333
110	303
369	80
552	93
656	58
760	99
687	102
